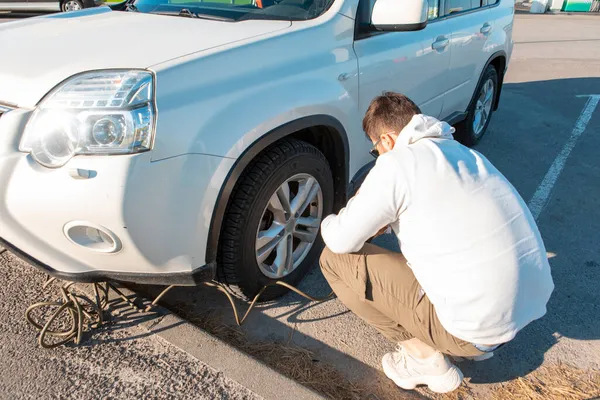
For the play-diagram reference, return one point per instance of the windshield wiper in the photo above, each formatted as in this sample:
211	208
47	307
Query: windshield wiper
185	12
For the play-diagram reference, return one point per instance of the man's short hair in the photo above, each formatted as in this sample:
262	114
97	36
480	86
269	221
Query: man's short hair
388	112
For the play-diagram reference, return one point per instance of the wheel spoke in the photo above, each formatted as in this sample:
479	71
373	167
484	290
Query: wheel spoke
477	121
267	240
310	222
279	204
489	93
305	236
482	95
306	193
285	258
283	194
290	259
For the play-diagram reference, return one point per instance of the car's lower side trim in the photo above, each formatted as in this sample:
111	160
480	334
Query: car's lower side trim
199	275
456	118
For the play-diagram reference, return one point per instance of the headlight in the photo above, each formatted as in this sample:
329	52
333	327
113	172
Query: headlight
103	112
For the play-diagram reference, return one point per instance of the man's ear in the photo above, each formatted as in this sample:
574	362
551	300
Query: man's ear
388	140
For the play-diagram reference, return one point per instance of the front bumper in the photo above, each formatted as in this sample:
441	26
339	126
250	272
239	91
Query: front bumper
201	274
159	211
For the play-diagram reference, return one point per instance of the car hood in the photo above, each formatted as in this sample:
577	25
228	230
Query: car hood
38	53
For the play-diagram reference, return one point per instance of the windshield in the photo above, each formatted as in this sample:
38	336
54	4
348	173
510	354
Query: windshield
235	10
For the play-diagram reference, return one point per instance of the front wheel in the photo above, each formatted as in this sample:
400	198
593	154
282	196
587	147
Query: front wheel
271	227
71	5
471	130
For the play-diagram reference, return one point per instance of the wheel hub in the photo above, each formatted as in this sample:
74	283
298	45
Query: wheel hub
290	226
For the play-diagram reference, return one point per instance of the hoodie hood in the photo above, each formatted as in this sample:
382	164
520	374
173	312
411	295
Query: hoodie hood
423	126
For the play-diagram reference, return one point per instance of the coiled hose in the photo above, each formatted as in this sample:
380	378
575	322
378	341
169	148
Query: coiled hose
86	314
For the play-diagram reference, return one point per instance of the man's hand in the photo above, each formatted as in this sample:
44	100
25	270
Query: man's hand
381	231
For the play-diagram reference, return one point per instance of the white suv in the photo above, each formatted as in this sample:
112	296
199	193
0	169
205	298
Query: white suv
174	143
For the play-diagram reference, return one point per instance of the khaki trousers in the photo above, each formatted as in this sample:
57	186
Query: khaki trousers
379	287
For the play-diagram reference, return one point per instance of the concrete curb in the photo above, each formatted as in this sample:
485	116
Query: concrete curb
233	363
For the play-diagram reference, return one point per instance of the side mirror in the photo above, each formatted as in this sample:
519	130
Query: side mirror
399	15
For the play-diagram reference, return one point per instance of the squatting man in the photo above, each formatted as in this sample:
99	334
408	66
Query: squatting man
473	270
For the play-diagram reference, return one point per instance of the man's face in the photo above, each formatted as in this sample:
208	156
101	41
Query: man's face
384	143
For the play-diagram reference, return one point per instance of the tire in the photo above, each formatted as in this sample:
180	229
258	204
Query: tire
273	172
71	5
470	131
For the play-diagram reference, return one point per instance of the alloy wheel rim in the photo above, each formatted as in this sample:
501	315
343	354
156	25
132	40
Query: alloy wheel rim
289	226
483	107
72	6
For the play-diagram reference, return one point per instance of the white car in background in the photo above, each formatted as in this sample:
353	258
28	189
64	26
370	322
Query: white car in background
48	5
175	143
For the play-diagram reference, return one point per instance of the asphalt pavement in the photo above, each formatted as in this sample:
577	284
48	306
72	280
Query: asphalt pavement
536	140
544	138
120	361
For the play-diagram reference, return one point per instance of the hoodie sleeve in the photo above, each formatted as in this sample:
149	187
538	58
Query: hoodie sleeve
377	205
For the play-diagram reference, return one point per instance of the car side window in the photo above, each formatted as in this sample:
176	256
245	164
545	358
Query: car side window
457	6
434	9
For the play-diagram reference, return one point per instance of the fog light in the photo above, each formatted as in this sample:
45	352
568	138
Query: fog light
92	237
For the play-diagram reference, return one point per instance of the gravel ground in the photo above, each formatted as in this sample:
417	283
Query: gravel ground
118	362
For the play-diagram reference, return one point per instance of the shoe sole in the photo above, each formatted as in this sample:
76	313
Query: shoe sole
445	383
482	357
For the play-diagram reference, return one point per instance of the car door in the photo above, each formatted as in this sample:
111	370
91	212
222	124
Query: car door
412	63
29	5
13	5
471	25
44	5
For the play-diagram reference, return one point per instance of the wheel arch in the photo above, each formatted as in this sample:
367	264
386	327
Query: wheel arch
499	61
322	131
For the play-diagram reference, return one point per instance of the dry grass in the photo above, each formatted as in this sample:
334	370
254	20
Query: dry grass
289	359
464	392
554	382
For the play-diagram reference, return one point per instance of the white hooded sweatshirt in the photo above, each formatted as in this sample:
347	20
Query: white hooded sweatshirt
465	231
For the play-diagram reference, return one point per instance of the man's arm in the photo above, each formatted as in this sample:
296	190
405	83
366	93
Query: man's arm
376	205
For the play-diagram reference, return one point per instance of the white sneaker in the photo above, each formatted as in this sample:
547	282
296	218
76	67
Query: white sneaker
437	372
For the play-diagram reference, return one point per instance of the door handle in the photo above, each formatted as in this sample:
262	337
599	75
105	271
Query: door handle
441	43
486	29
343	77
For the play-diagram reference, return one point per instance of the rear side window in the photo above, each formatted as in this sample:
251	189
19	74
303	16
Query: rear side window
457	6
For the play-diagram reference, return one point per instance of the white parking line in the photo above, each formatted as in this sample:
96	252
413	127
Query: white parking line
542	194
